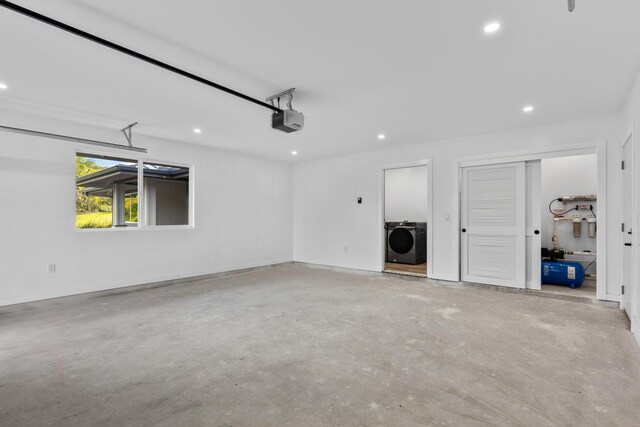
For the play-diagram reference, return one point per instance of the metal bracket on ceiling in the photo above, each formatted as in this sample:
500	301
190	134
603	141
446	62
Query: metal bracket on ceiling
277	96
70	138
127	133
572	5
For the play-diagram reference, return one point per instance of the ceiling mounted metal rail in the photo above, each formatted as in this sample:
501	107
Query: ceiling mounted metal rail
80	33
72	139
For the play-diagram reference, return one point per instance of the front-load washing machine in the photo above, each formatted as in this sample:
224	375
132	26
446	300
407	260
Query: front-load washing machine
406	242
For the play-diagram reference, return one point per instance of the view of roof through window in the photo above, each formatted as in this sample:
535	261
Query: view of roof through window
107	193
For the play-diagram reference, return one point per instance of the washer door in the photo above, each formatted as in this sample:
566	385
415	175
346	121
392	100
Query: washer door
401	241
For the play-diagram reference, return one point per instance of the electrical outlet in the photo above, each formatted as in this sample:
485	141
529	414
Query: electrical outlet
52	268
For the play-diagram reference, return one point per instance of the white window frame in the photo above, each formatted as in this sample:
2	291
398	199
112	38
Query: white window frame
141	204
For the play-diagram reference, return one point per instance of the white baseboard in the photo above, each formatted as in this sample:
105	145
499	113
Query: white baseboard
445	277
611	297
145	281
635	329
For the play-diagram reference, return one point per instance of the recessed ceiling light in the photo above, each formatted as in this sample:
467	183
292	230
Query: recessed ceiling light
3	86
294	153
381	136
528	109
491	27
196	130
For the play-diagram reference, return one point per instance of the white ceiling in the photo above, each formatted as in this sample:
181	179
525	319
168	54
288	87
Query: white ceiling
415	70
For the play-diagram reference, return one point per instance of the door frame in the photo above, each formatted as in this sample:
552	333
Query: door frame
632	306
598	147
536	257
381	202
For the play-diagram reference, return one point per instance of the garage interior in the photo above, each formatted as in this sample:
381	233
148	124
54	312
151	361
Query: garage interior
277	213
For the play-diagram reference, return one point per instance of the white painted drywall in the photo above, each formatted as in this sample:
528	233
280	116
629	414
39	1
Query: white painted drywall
632	125
565	176
242	218
405	194
327	219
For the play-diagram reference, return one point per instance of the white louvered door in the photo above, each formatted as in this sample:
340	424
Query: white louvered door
533	184
493	224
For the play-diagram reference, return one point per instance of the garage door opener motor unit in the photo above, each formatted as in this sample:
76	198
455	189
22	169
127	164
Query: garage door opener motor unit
406	242
288	120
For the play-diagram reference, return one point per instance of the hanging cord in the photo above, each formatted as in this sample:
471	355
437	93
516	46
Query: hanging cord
590	264
560	213
592	212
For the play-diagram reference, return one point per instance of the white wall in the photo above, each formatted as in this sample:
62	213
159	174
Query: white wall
327	219
565	176
632	125
405	194
242	218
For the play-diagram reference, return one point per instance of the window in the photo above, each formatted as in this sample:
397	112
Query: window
106	192
108	196
166	194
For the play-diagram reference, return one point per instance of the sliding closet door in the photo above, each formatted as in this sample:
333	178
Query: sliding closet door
493	224
533	184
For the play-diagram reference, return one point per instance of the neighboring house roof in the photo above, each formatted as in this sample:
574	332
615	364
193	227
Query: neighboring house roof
101	183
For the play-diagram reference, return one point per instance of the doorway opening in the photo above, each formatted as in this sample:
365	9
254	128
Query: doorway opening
406	215
532	224
569	219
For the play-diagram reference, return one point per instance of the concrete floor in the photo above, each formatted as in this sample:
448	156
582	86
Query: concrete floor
303	346
587	290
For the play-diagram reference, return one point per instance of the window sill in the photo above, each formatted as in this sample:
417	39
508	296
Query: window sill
127	229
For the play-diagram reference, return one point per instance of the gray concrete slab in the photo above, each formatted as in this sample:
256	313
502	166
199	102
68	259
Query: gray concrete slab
302	346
